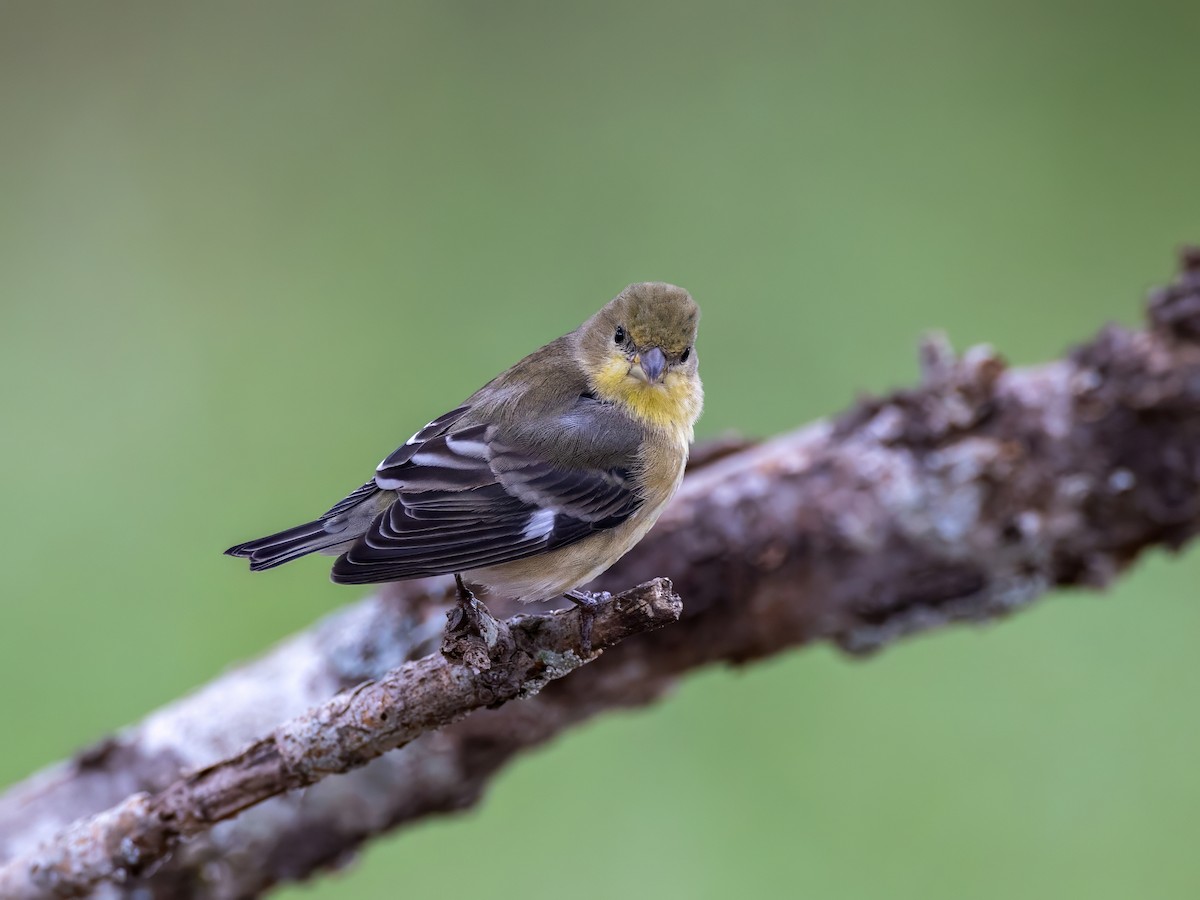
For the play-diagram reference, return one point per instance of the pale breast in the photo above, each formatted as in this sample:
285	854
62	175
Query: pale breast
549	575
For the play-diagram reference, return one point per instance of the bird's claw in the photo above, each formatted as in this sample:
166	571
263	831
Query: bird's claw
471	632
588	603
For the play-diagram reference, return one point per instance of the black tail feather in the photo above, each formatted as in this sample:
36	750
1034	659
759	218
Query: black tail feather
284	546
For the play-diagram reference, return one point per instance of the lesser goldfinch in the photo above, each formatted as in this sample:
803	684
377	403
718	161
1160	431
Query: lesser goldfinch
541	479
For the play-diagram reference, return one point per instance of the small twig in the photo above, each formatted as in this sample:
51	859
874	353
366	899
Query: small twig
519	657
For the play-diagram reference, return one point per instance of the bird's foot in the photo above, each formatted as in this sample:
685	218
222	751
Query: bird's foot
464	594
588	603
471	631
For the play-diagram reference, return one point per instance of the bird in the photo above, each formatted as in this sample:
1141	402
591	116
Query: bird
540	480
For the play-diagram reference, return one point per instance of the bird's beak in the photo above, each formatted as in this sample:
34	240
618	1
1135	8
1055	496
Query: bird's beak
653	363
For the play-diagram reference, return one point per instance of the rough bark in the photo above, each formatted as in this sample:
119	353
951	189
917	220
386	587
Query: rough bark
962	499
484	662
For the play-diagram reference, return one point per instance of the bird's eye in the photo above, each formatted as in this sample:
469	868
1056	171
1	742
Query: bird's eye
619	337
687	351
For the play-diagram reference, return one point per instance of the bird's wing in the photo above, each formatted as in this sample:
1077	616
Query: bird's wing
475	496
372	487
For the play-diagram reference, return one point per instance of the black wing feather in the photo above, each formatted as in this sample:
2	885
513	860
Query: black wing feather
467	498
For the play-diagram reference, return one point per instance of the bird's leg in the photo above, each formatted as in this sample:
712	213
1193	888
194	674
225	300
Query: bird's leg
458	617
471	632
464	595
587	603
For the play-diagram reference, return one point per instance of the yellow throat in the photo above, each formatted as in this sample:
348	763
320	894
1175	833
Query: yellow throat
672	406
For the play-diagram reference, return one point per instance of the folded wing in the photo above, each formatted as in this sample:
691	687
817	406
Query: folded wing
471	496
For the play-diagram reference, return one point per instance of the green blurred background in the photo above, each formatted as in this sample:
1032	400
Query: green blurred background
246	249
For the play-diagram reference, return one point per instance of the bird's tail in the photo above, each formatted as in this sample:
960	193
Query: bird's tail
333	532
276	549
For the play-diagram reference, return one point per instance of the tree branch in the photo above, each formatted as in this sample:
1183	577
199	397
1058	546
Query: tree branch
508	660
963	499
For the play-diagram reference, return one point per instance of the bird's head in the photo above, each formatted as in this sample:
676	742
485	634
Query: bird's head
646	333
640	349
